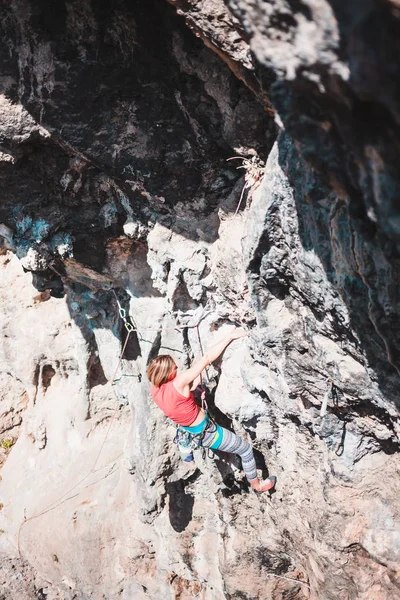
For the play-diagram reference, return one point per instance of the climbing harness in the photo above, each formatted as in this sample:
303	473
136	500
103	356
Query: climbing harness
188	441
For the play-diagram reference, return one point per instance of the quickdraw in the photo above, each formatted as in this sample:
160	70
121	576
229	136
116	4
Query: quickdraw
122	313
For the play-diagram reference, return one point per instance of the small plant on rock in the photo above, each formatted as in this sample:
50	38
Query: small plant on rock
254	171
6	443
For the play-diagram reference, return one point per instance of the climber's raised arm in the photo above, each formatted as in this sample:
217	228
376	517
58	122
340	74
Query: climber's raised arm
195	383
187	377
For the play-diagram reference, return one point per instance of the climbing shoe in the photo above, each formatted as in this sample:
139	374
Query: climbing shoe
266	485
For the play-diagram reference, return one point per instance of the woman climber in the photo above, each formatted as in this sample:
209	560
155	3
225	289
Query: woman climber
172	392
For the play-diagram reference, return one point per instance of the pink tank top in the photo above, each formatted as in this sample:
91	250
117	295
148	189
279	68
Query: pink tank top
181	410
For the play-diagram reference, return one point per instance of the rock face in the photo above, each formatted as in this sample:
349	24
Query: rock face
116	127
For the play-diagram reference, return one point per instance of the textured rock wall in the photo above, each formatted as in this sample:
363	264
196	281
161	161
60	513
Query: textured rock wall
116	127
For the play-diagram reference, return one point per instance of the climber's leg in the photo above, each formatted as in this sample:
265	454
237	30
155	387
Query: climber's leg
218	438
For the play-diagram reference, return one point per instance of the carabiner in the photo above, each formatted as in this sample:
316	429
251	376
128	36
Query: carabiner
129	327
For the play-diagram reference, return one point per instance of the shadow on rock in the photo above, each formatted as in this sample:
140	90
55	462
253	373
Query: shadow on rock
180	505
360	263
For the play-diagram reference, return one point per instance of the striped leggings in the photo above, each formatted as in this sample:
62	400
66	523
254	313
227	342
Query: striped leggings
218	438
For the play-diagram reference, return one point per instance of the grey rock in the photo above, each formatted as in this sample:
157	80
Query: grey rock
114	143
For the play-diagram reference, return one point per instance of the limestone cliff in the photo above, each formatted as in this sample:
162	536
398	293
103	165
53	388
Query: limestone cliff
200	163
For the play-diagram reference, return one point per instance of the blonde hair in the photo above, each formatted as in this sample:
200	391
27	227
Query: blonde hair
160	368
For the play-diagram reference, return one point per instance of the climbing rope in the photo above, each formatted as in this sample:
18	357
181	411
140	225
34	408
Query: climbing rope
204	405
